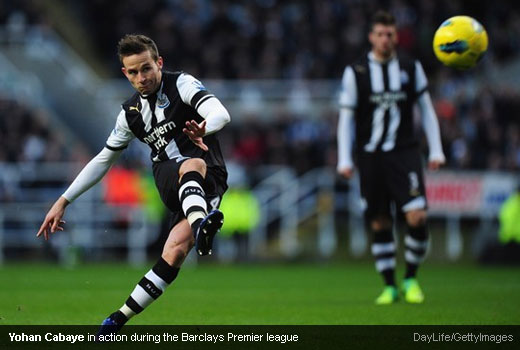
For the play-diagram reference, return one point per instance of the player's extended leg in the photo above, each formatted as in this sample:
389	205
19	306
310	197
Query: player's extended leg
383	250
416	245
154	283
193	201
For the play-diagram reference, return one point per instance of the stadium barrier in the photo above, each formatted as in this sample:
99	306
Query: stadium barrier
92	224
452	196
287	202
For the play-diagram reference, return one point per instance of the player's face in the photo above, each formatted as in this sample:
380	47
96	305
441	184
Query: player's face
384	40
143	72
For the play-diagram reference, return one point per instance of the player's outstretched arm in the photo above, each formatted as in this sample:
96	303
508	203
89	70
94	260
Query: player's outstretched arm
53	220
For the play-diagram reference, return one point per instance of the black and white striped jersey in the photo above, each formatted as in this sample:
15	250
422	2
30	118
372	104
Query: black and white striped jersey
382	96
158	120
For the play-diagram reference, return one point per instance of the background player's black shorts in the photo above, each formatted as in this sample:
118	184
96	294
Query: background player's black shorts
395	176
166	175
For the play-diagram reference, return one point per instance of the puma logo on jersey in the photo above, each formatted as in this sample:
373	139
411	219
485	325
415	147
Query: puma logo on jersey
134	108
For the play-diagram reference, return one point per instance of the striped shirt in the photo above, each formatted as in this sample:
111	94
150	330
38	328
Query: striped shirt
382	96
158	119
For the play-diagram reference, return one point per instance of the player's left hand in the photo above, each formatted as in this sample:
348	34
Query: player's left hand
53	220
435	164
196	133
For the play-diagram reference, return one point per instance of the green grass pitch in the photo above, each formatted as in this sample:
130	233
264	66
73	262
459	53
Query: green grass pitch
307	294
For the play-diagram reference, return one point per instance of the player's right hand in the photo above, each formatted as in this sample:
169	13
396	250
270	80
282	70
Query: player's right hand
346	173
196	132
435	164
53	221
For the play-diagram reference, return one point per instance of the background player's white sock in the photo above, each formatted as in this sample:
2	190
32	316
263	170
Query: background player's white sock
383	250
416	246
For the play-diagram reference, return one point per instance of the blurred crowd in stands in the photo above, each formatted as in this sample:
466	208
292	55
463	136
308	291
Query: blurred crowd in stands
274	39
26	135
312	39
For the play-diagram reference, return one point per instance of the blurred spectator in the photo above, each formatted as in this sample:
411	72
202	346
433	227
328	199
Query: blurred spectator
242	215
506	249
25	135
509	218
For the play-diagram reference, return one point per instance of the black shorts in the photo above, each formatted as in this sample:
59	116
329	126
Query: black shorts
166	175
396	177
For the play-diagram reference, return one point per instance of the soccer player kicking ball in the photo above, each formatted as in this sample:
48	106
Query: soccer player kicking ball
378	94
174	114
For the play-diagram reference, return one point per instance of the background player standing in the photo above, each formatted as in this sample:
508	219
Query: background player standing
378	94
177	117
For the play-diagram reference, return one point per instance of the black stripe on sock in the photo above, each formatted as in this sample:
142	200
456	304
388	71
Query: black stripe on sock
165	271
133	305
383	236
194	208
416	251
150	288
419	233
388	276
411	270
192	176
384	255
119	317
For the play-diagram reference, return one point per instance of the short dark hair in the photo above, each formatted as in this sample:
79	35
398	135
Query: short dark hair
132	44
382	17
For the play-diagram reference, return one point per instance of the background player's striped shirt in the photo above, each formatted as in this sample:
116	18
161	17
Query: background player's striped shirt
379	98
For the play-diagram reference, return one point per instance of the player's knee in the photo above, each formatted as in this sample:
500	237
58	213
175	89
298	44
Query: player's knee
193	164
416	218
380	223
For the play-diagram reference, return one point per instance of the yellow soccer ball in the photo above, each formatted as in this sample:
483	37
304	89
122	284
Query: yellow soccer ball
460	42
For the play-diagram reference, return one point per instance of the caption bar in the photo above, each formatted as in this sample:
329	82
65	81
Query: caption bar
154	338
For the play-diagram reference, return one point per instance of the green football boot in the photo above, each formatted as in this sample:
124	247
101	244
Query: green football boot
412	291
389	296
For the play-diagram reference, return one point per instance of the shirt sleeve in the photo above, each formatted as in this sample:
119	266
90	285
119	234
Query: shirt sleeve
348	93
121	136
209	107
431	128
429	120
216	115
191	91
345	139
91	173
421	82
